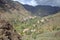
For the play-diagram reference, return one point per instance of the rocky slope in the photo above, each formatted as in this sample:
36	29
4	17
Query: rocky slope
7	31
12	10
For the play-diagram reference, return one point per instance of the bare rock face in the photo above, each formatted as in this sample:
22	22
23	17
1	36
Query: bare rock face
7	32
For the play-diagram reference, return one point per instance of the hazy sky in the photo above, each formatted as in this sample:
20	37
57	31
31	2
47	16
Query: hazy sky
41	2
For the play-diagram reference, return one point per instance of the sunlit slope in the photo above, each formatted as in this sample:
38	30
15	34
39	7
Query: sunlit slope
12	10
48	30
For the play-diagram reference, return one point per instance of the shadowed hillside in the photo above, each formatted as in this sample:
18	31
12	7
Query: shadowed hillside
42	10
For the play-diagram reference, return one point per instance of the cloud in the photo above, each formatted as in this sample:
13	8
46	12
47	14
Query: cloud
40	2
48	2
29	2
23	1
32	2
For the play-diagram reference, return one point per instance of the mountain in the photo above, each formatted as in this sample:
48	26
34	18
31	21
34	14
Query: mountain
8	13
12	10
33	23
42	10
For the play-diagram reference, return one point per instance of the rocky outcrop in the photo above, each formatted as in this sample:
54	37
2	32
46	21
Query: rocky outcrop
7	31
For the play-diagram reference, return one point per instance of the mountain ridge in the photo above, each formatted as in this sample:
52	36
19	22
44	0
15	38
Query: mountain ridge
10	9
39	10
